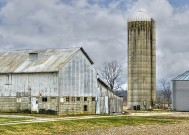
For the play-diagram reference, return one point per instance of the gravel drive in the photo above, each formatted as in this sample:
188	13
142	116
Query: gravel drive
181	128
171	129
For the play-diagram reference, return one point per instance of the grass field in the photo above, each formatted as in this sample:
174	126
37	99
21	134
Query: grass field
5	119
71	126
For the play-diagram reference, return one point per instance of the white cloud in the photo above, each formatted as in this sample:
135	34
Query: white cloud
101	30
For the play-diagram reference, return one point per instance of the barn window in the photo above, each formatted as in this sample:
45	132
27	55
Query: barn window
78	98
67	99
73	99
33	56
85	98
18	100
8	79
61	99
44	99
93	98
85	108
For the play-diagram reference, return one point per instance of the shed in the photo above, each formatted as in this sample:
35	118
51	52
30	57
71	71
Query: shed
180	97
109	102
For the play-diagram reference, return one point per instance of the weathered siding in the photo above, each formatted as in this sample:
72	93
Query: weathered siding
116	104
17	91
109	103
39	83
78	77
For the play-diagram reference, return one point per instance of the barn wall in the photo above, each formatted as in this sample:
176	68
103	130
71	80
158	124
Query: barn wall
17	90
44	83
103	100
75	106
78	77
180	95
109	102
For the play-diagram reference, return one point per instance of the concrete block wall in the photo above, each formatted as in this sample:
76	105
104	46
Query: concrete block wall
51	104
13	104
77	107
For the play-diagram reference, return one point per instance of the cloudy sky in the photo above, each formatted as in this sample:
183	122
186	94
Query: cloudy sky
99	26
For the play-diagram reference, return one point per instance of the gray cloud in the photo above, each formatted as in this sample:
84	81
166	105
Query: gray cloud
101	30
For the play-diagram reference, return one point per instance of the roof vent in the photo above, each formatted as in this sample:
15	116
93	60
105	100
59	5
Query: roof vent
33	56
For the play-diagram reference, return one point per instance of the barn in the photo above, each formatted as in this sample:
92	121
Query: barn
61	81
180	96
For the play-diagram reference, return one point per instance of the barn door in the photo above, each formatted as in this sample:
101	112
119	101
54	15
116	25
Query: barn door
106	105
34	104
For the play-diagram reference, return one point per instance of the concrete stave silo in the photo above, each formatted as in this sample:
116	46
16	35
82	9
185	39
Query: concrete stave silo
141	61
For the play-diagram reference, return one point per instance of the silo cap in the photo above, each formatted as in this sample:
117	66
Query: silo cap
139	16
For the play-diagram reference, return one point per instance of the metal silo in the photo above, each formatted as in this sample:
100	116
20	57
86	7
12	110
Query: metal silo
141	61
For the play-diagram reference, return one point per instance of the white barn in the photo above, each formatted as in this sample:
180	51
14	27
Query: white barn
180	98
61	81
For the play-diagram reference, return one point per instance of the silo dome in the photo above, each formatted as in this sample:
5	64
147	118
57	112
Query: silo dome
139	16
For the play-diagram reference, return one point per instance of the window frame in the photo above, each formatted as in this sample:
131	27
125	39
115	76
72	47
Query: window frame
85	99
85	107
44	99
93	99
78	99
67	99
73	99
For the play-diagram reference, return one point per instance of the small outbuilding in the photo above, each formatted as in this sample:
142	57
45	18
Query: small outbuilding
181	92
109	102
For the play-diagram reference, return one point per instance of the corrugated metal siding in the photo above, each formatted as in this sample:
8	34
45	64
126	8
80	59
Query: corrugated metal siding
115	102
44	83
181	95
78	77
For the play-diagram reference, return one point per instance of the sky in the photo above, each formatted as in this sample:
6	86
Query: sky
99	26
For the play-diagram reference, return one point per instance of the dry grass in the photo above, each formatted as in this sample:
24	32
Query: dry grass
73	126
5	119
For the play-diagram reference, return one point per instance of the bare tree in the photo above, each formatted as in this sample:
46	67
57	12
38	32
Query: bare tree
166	90
111	73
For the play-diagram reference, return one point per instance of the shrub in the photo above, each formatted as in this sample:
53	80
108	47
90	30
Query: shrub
25	111
49	111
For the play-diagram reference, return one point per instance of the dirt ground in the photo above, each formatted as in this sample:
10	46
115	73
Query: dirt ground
153	113
168	129
172	129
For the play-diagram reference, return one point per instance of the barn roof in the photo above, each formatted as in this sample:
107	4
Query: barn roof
49	60
182	77
104	84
